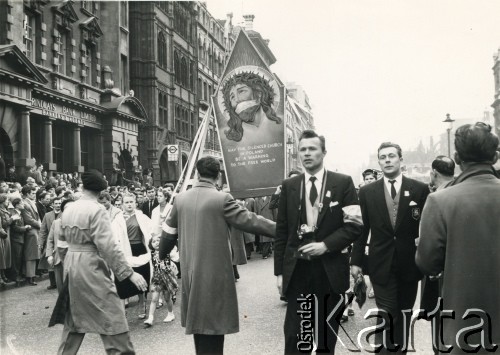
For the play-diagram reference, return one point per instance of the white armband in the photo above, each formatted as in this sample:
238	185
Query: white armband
352	214
167	229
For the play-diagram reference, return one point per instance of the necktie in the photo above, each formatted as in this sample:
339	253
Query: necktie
393	189
313	193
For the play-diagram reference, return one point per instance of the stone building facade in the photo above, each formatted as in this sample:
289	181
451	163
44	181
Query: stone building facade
59	105
163	74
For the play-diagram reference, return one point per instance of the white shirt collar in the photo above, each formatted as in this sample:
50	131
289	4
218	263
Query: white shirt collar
397	184
319	176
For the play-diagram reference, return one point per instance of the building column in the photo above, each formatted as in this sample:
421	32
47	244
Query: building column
77	151
99	157
24	158
48	155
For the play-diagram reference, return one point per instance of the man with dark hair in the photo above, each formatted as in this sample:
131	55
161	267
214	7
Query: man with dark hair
391	209
203	216
151	202
318	219
459	240
443	169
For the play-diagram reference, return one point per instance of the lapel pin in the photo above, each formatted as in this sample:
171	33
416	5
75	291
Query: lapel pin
328	194
407	193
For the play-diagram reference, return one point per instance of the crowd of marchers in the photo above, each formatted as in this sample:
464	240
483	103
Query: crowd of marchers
398	231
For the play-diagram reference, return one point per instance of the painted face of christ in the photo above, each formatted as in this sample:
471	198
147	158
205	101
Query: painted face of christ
244	102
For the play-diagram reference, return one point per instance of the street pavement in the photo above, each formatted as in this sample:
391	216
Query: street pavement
25	314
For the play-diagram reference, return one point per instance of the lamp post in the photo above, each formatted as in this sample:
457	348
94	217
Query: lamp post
289	146
449	122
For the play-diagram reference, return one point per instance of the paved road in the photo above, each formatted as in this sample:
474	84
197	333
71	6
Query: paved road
25	313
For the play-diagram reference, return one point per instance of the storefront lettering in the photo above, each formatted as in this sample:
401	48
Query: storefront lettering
63	113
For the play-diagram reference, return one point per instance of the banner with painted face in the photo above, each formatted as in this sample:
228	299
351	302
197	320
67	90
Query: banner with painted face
250	112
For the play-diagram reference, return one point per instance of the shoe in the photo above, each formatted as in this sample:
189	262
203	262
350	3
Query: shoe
170	317
31	282
264	257
148	322
350	312
142	315
283	298
51	287
344	319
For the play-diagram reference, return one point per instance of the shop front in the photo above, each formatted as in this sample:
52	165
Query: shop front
65	133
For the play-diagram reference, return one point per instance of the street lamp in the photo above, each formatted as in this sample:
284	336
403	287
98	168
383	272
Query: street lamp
289	145
449	121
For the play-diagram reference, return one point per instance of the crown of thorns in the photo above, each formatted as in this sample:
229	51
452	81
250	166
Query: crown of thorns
253	80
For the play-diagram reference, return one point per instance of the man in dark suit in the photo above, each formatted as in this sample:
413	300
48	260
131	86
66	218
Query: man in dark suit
151	202
318	271
391	209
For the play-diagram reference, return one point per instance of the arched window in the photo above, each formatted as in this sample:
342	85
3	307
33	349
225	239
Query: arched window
184	71
162	50
177	68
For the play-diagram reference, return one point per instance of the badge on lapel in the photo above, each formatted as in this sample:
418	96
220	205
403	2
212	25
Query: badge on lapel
415	213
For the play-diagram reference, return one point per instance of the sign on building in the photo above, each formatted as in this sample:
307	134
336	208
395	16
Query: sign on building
173	152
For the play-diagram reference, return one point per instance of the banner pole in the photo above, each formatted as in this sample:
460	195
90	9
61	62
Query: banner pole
193	155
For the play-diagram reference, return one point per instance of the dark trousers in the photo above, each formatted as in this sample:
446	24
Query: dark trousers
393	297
113	344
17	260
309	279
209	344
249	249
266	248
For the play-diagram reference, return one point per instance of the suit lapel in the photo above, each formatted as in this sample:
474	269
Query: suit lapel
329	186
404	201
379	199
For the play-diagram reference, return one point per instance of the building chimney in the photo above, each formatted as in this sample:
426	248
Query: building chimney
248	22
228	26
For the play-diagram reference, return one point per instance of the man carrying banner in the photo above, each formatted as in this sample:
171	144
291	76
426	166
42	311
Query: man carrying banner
202	215
318	218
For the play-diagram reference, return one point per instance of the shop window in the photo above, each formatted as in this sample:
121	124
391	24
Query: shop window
36	139
58	133
85	145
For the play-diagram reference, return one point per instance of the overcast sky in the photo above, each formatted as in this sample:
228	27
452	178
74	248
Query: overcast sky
380	70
